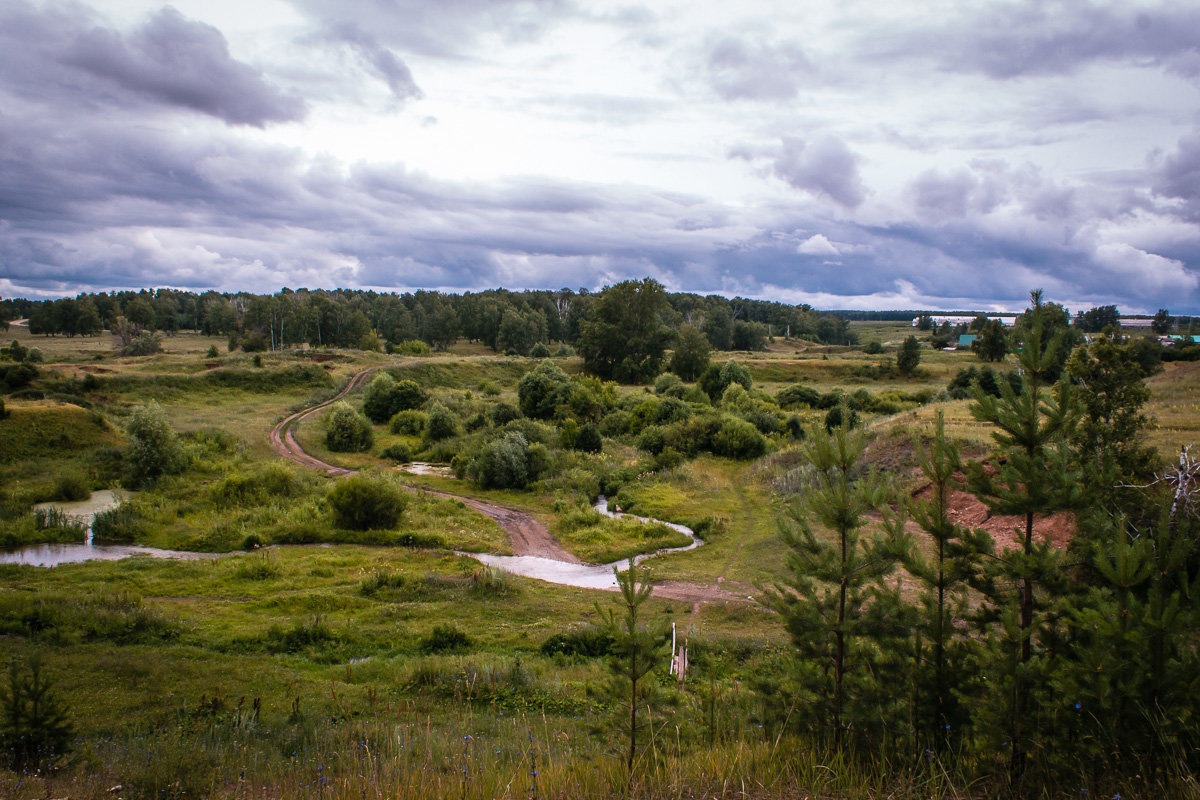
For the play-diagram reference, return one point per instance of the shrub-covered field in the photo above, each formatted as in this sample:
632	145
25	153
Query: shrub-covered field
344	645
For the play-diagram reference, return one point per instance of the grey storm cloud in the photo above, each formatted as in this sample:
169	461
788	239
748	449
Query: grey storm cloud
1178	175
1032	37
738	68
823	166
382	61
988	186
56	52
444	28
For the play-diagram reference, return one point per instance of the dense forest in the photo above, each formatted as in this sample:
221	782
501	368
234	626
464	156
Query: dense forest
505	321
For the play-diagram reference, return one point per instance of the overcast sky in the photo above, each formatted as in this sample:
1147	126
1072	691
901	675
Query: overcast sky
849	153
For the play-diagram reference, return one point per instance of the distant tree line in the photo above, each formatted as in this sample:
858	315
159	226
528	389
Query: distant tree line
505	321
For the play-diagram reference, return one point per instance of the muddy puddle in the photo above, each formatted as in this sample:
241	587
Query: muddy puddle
51	555
584	576
423	468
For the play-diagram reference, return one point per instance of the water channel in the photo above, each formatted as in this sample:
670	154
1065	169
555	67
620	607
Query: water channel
585	576
51	555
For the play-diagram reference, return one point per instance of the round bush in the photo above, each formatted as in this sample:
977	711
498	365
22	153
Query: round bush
541	389
151	446
385	397
666	383
588	440
347	431
503	413
539	351
797	395
503	463
410	422
738	439
398	453
442	423
365	502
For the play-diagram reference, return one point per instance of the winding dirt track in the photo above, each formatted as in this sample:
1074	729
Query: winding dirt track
529	537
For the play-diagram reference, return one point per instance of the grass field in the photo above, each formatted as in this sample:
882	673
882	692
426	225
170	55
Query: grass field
379	663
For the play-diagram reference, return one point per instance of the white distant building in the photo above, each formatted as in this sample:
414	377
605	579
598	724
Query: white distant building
1007	320
1135	322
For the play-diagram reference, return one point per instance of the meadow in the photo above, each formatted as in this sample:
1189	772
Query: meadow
313	660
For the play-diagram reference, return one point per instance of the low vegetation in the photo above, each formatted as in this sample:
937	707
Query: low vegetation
385	663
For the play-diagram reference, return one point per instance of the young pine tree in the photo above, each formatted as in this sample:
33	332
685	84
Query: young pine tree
834	601
941	646
636	649
1034	477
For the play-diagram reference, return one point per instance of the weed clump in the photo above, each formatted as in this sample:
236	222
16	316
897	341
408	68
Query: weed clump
442	639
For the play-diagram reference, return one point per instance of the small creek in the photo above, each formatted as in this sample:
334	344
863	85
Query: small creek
51	555
584	576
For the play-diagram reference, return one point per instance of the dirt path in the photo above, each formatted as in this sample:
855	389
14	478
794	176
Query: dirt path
529	536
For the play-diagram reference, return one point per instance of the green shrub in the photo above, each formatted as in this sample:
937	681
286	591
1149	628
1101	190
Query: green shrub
16	376
256	486
385	397
541	389
442	423
797	395
144	344
540	350
366	502
835	416
152	448
503	413
586	642
873	348
503	463
671	409
409	347
410	422
3	410
615	423
212	352
477	422
398	452
71	485
669	384
444	638
763	417
347	431
738	439
589	439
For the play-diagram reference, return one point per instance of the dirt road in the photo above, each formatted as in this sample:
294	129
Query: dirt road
529	536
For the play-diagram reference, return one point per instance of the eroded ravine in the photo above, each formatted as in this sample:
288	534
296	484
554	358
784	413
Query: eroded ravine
536	552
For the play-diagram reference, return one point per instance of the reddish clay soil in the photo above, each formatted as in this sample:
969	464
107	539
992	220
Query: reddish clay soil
1007	531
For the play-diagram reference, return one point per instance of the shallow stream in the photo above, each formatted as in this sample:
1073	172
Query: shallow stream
51	555
585	576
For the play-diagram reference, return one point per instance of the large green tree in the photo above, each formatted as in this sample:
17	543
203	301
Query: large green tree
992	342
691	353
626	337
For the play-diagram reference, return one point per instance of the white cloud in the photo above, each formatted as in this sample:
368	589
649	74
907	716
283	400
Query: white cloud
817	245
